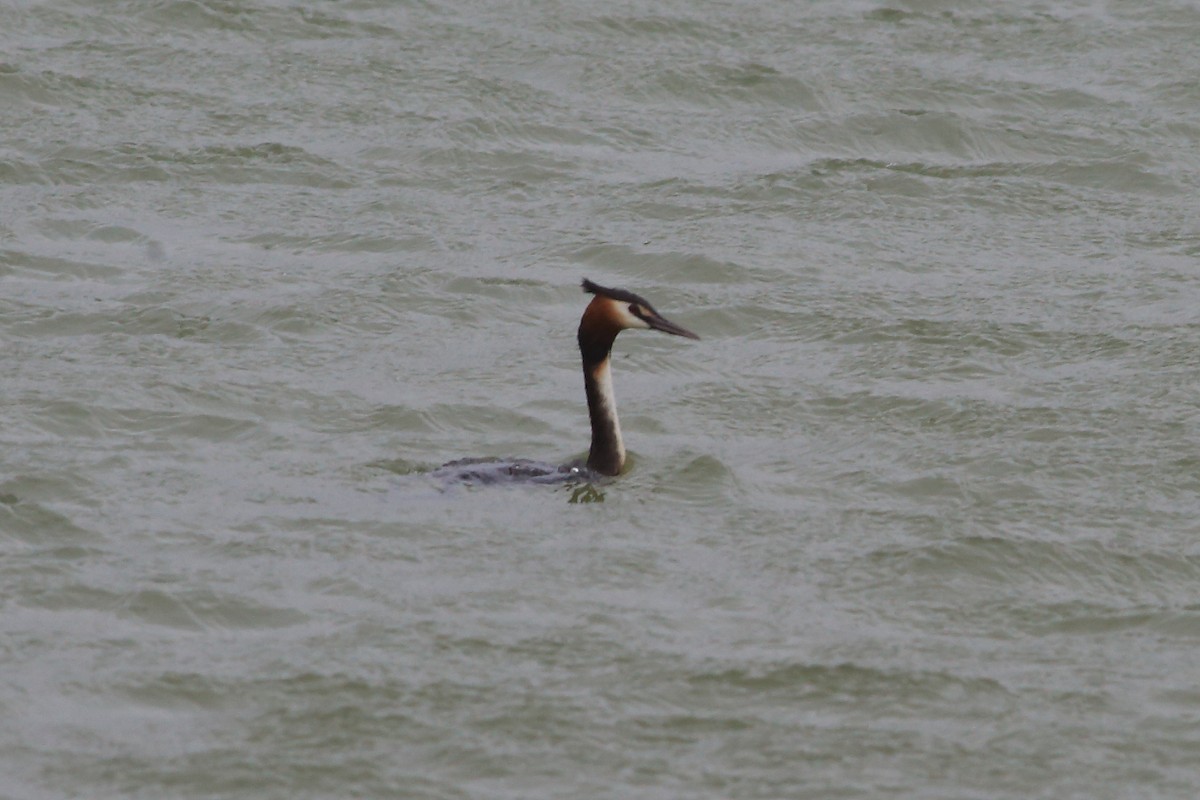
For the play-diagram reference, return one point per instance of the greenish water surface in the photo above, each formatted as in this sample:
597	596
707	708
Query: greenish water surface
917	517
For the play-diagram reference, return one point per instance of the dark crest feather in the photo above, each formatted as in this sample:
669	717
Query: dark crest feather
615	294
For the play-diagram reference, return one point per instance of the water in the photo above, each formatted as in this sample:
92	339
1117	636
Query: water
916	518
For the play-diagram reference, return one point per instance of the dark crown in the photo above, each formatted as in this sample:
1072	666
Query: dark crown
615	294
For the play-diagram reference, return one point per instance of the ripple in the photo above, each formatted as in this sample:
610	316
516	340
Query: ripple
1045	587
17	261
36	524
182	609
848	683
267	162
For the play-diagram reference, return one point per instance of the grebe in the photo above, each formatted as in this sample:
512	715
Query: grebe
610	312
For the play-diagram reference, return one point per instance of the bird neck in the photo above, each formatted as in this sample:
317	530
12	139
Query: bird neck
607	455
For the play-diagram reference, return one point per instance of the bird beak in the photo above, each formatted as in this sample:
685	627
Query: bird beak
666	326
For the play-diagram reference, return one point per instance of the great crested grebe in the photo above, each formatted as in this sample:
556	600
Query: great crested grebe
610	312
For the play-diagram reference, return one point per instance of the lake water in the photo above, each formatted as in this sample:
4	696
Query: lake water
917	517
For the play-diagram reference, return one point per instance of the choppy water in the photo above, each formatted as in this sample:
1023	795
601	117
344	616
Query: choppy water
917	517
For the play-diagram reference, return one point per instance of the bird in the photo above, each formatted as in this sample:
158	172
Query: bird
609	312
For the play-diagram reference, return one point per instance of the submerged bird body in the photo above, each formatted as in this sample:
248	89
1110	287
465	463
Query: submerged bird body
610	312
